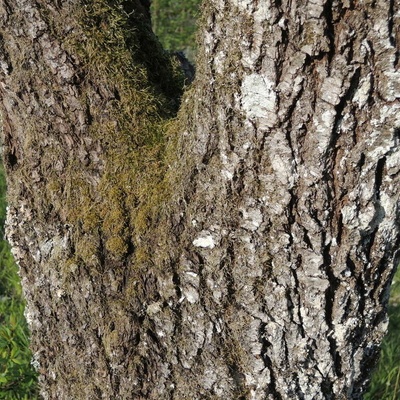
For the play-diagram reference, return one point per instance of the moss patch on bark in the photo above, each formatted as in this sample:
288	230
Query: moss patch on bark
141	86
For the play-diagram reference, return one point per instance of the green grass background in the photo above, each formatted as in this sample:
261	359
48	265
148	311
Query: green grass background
385	383
174	23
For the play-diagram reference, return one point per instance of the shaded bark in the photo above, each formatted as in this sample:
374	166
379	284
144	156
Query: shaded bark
244	250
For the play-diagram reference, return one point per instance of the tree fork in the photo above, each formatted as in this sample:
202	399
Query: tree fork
244	250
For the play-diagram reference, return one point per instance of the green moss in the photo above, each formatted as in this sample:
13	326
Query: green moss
131	130
120	109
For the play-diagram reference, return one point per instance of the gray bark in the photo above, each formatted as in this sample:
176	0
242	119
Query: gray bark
248	252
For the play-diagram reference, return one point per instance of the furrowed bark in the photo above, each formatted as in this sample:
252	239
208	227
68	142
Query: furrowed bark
257	263
304	136
305	104
81	100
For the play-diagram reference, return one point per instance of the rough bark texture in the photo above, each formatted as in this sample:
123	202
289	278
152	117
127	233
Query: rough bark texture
251	257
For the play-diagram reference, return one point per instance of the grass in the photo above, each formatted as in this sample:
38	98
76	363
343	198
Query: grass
174	22
385	384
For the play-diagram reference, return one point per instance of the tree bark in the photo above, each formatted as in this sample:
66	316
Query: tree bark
244	249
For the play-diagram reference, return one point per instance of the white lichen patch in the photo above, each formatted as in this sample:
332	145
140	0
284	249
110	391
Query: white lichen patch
229	164
251	219
204	240
219	60
327	117
153	308
393	85
324	122
363	92
281	169
32	315
191	294
160	333
386	114
331	90
227	174
46	247
341	331
262	12
242	4
349	213
259	100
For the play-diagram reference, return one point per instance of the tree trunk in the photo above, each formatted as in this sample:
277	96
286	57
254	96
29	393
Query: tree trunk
242	250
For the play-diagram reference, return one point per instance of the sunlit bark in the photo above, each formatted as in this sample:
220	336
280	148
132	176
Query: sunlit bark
242	250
